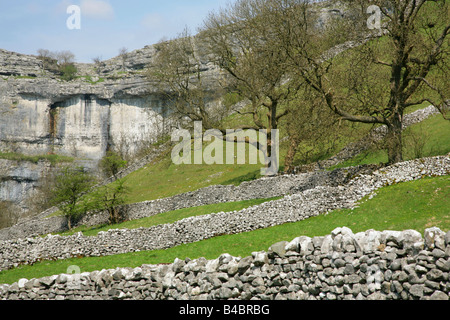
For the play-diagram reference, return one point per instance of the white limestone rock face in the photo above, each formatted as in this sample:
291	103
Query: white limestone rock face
18	179
79	127
133	123
24	124
82	126
111	106
40	113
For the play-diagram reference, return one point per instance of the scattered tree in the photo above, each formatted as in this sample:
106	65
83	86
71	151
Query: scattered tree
190	92
268	50
241	43
123	55
75	197
59	62
312	132
97	60
71	185
65	57
9	214
98	63
178	74
378	81
48	59
111	198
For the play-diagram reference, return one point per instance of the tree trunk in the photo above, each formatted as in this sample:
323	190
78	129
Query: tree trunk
394	142
289	159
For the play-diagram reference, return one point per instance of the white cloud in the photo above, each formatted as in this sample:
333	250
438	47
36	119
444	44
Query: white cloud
98	9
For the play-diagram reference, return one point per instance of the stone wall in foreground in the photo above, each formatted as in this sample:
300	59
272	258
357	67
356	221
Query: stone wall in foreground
369	265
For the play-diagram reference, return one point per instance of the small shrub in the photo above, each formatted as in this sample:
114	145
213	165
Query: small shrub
111	164
68	72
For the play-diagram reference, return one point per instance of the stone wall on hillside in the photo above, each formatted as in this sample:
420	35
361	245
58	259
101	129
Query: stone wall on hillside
371	265
291	208
258	189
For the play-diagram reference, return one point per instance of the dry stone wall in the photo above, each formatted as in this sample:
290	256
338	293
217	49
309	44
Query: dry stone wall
258	189
371	265
291	208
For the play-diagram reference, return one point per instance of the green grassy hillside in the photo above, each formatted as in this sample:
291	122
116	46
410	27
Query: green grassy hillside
164	179
413	205
426	139
170	217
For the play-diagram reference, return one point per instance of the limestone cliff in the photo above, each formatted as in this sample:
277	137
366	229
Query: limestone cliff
110	105
40	113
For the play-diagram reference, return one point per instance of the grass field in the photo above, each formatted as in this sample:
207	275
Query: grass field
426	139
164	179
170	217
413	205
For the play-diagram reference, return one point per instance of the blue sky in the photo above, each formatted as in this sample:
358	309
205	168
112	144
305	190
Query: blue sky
106	25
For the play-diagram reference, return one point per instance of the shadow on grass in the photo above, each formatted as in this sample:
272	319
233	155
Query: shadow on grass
243	178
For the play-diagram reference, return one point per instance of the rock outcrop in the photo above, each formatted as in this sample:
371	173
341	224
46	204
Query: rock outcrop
18	179
109	106
81	118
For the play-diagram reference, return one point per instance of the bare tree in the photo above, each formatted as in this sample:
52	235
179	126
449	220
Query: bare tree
241	42
65	57
45	53
123	55
98	63
9	214
97	60
48	59
313	132
178	72
377	82
59	62
191	92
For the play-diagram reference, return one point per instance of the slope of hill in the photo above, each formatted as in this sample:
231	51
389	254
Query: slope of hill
202	211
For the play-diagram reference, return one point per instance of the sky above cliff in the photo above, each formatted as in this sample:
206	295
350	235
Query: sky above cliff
105	25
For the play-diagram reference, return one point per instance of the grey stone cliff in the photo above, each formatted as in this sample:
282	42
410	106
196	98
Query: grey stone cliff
109	106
